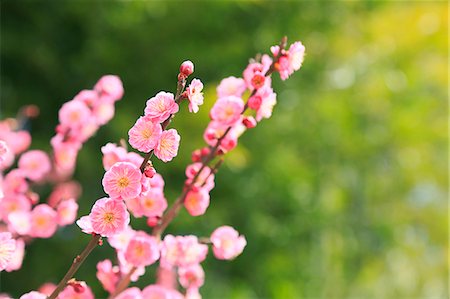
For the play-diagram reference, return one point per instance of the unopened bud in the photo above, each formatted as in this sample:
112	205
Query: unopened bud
149	171
187	68
152	221
196	156
205	151
249	122
78	286
254	102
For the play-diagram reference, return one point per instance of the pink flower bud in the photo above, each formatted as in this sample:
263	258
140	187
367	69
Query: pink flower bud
152	221
196	156
149	171
249	122
254	102
187	68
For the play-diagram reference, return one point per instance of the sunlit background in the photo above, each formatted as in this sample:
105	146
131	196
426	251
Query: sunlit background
341	194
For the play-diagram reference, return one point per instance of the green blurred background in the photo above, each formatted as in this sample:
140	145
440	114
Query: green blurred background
341	194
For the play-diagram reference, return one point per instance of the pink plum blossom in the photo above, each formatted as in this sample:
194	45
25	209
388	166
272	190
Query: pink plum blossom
33	295
191	276
64	191
108	275
256	68
227	110
153	203
122	181
85	224
103	113
112	154
19	222
167	147
227	244
4	150
142	250
160	107
192	293
13	203
120	240
67	212
126	267
130	293
290	60
145	134
7	247
110	86
47	288
196	202
195	95
17	257
205	179
74	114
88	97
15	182
109	217
35	164
268	101
43	221
155	291
231	86
182	251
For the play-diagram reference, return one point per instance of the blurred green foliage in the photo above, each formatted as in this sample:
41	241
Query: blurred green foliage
341	194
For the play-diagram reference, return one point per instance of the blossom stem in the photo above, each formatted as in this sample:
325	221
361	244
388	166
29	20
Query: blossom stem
77	261
123	283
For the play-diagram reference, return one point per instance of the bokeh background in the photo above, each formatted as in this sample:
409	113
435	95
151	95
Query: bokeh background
341	194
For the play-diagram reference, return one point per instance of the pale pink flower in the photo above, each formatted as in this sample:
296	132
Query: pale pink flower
268	101
109	217
195	95
122	181
153	203
7	247
65	156
142	250
187	68
204	180
227	111
33	295
192	293
103	113
191	276
155	291
112	154
67	212
130	293
35	164
74	114
64	191
120	240
47	288
231	86
134	158
4	149
255	68
110	86
196	202
145	134
71	293
43	221
108	275
6	156
182	251
167	277
15	182
160	107
290	60
85	224
19	222
88	97
167	147
125	266
227	244
17	257
13	203
157	182
135	207
17	141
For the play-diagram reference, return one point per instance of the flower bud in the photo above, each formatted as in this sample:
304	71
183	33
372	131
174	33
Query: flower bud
249	122
149	171
187	68
152	221
254	102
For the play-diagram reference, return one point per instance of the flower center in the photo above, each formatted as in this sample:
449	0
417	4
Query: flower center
146	133
123	182
108	217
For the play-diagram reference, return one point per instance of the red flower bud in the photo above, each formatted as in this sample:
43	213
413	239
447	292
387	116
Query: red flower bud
187	68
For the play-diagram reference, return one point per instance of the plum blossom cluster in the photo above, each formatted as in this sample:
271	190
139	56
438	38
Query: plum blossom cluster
134	189
24	215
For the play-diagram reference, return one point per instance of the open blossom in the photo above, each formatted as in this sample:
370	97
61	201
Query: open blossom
67	212
145	134
227	244
155	291
110	87
231	86
88	97
120	240
130	293
160	107
35	164
125	267
33	295
268	101
227	111
122	181
47	288
10	204
4	150
109	217
182	251
257	69
167	147
19	222
74	114
153	203
7	247
108	275
197	201
142	250
17	257
195	95
191	276
290	60
43	221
